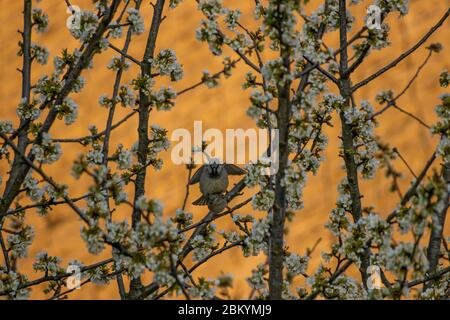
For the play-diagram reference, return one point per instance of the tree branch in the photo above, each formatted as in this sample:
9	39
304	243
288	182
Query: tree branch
143	140
347	133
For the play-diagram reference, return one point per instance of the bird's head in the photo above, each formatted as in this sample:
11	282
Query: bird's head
214	167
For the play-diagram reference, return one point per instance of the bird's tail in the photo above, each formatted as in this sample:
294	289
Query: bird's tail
202	201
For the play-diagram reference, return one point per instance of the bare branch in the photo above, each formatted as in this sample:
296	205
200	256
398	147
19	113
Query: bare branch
126	55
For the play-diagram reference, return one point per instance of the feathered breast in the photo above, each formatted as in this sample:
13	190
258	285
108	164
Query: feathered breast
210	185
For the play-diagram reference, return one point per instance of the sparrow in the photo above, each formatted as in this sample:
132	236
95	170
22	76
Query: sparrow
213	179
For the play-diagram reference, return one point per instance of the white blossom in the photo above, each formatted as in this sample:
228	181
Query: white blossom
135	20
47	152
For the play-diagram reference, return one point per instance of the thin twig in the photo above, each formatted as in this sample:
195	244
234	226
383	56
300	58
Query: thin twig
410	82
57	276
412	191
403	55
405	162
98	135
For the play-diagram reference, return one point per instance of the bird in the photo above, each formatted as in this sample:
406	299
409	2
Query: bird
216	202
213	179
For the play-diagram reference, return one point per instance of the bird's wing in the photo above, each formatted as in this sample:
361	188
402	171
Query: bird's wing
202	201
234	170
196	177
